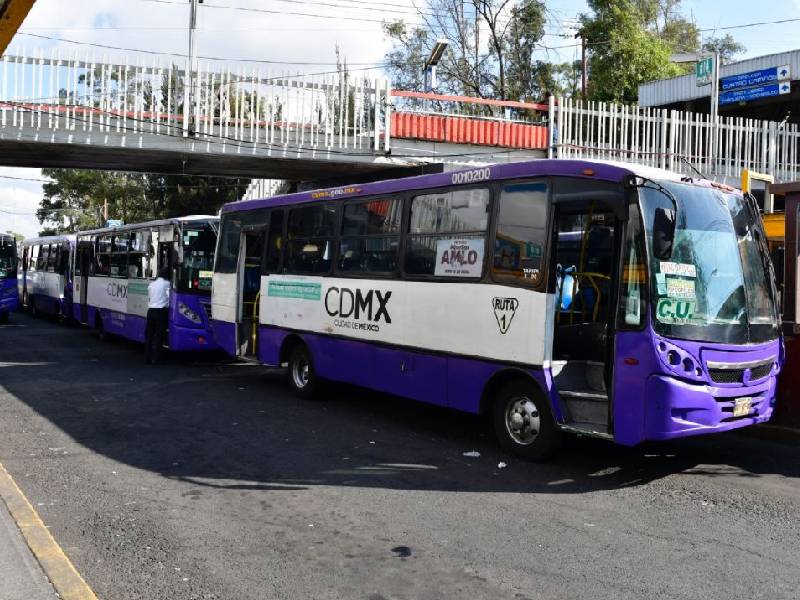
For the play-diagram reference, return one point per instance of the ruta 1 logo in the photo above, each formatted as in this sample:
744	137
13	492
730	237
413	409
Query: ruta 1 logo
504	310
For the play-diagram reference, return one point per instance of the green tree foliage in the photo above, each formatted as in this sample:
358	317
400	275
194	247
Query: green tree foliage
623	50
496	60
726	46
75	198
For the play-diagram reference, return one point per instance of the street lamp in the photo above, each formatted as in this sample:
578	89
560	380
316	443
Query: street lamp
432	62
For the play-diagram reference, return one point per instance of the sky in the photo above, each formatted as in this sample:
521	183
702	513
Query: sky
231	29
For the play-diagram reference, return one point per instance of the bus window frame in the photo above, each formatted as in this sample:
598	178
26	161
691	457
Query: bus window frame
541	286
404	199
333	238
405	234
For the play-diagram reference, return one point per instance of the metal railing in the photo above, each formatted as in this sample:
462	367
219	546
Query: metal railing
673	140
237	105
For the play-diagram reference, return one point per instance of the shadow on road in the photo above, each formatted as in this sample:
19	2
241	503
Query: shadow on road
227	425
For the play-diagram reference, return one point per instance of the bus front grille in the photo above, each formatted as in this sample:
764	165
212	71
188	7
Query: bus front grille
737	375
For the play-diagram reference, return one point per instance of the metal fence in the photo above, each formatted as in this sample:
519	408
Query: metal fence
236	105
675	140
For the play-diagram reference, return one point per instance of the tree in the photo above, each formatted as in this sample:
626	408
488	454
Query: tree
502	67
74	198
623	52
725	46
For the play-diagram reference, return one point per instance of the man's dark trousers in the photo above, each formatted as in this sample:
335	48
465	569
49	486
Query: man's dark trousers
157	320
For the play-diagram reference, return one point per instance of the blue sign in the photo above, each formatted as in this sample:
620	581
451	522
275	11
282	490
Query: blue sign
114	223
755	78
755	93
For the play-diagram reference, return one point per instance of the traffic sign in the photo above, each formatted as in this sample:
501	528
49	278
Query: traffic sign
114	223
755	93
756	78
704	70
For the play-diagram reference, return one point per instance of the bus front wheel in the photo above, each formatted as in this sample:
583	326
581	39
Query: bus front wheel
302	377
523	423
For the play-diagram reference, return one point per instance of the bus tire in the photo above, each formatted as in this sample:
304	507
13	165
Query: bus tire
523	422
302	377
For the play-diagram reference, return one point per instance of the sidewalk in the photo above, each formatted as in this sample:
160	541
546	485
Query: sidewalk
21	577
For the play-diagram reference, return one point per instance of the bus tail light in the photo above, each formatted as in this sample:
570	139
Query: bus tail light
631	361
189	313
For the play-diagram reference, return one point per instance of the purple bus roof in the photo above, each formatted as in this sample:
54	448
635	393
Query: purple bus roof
603	171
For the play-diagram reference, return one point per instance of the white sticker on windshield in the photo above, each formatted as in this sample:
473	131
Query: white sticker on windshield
680	288
673	268
661	283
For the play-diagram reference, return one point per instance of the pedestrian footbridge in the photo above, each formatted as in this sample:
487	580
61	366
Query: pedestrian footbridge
156	116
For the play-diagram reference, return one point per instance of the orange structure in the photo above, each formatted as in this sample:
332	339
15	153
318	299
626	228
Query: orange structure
12	14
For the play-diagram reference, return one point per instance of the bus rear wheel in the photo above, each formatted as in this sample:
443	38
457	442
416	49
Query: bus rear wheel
302	377
523	423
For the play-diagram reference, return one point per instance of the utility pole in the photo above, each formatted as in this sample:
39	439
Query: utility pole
190	79
714	114
477	46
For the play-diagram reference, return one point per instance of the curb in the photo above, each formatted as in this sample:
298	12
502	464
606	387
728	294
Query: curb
59	570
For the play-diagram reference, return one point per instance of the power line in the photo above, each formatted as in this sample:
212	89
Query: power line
159	53
754	24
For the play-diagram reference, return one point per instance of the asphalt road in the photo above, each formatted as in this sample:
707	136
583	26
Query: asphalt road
207	479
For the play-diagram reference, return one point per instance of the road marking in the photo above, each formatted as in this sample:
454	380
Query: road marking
62	574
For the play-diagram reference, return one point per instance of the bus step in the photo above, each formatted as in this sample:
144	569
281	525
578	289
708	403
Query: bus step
586	407
578	375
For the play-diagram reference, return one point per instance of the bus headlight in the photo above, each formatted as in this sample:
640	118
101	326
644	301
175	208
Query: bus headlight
189	313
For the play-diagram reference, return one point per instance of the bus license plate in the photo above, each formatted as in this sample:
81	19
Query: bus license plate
742	406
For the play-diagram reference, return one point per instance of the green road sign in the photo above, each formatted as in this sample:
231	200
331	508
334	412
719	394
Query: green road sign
704	70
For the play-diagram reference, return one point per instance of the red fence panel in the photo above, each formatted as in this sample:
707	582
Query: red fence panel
463	130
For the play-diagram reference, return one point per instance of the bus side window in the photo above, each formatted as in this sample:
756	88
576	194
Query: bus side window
447	233
139	257
632	302
63	259
54	258
33	257
44	255
521	234
310	232
274	244
103	256
370	236
230	233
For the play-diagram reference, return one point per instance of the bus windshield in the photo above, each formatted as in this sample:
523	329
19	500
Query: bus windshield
714	287
8	258
199	241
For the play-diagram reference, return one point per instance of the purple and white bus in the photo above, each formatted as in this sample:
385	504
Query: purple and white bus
45	280
608	300
114	266
8	276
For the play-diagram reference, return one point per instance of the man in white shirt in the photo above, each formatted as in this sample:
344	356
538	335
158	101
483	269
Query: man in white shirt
157	316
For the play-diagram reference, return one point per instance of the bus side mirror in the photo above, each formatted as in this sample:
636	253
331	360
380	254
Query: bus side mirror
663	233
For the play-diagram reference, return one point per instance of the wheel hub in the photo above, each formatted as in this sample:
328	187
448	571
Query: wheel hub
522	420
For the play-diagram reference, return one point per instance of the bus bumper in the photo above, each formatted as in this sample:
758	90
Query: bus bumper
190	339
675	408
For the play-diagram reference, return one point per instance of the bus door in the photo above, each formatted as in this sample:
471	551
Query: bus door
586	251
84	262
251	251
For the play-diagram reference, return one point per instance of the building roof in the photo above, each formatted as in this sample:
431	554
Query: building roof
681	89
